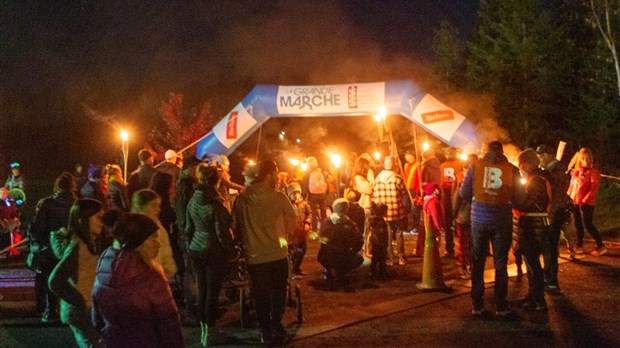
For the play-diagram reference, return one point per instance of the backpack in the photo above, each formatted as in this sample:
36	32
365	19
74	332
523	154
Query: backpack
317	183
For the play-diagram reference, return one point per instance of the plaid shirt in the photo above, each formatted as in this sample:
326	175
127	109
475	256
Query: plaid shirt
390	190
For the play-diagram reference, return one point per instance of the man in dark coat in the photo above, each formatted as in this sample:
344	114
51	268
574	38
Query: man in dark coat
141	177
492	185
558	215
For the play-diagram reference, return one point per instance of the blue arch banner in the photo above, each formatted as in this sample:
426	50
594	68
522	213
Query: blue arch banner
403	98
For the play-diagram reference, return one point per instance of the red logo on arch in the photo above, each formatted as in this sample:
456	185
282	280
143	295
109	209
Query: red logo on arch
231	125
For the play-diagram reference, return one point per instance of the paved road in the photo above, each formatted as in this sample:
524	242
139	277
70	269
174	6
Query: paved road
391	313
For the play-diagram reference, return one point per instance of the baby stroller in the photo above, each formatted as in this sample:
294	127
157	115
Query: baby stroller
237	287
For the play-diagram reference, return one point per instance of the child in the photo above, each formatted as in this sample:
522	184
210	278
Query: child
298	238
432	209
379	237
341	243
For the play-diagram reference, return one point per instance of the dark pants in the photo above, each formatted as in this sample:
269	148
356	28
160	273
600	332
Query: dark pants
297	252
379	256
584	214
463	247
209	274
535	277
269	281
190	288
550	252
500	236
446	200
317	206
46	300
395	230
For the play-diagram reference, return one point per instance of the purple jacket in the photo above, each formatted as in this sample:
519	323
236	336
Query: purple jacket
133	304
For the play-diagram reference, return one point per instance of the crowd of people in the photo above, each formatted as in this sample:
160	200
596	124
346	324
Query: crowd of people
113	259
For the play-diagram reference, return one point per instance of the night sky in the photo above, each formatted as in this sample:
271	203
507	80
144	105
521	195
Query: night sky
71	71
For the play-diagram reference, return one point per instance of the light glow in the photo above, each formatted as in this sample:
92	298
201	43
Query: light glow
124	135
463	157
523	181
251	163
294	161
377	155
381	115
425	146
304	167
336	160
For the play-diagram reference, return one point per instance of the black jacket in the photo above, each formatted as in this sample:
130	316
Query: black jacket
52	213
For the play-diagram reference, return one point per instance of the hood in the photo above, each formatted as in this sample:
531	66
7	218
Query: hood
337	218
432	162
495	157
118	269
386	175
260	194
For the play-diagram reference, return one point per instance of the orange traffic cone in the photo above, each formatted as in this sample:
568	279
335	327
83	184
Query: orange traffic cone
432	273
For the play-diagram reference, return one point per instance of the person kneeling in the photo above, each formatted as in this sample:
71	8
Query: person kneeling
341	243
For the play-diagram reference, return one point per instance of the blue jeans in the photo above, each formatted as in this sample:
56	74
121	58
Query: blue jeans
500	236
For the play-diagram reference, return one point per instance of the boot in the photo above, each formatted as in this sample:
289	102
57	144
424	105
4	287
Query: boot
215	337
203	334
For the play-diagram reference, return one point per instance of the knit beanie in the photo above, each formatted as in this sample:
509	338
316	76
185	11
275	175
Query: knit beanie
340	206
137	228
429	188
293	187
96	172
495	146
388	163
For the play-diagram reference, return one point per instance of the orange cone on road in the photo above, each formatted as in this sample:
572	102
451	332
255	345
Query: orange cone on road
432	273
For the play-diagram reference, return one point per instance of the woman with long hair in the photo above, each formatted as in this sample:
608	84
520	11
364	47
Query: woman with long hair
163	185
132	301
117	188
584	185
148	202
362	181
210	247
73	277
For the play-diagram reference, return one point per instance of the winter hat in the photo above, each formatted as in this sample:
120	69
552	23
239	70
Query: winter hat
388	163
96	172
429	188
340	206
170	154
293	187
136	229
495	146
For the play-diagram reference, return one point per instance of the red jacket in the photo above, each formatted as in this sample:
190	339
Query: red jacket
584	185
432	208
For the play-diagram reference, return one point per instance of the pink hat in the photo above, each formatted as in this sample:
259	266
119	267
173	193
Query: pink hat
429	188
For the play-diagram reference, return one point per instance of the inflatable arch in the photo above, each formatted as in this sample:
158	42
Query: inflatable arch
358	99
